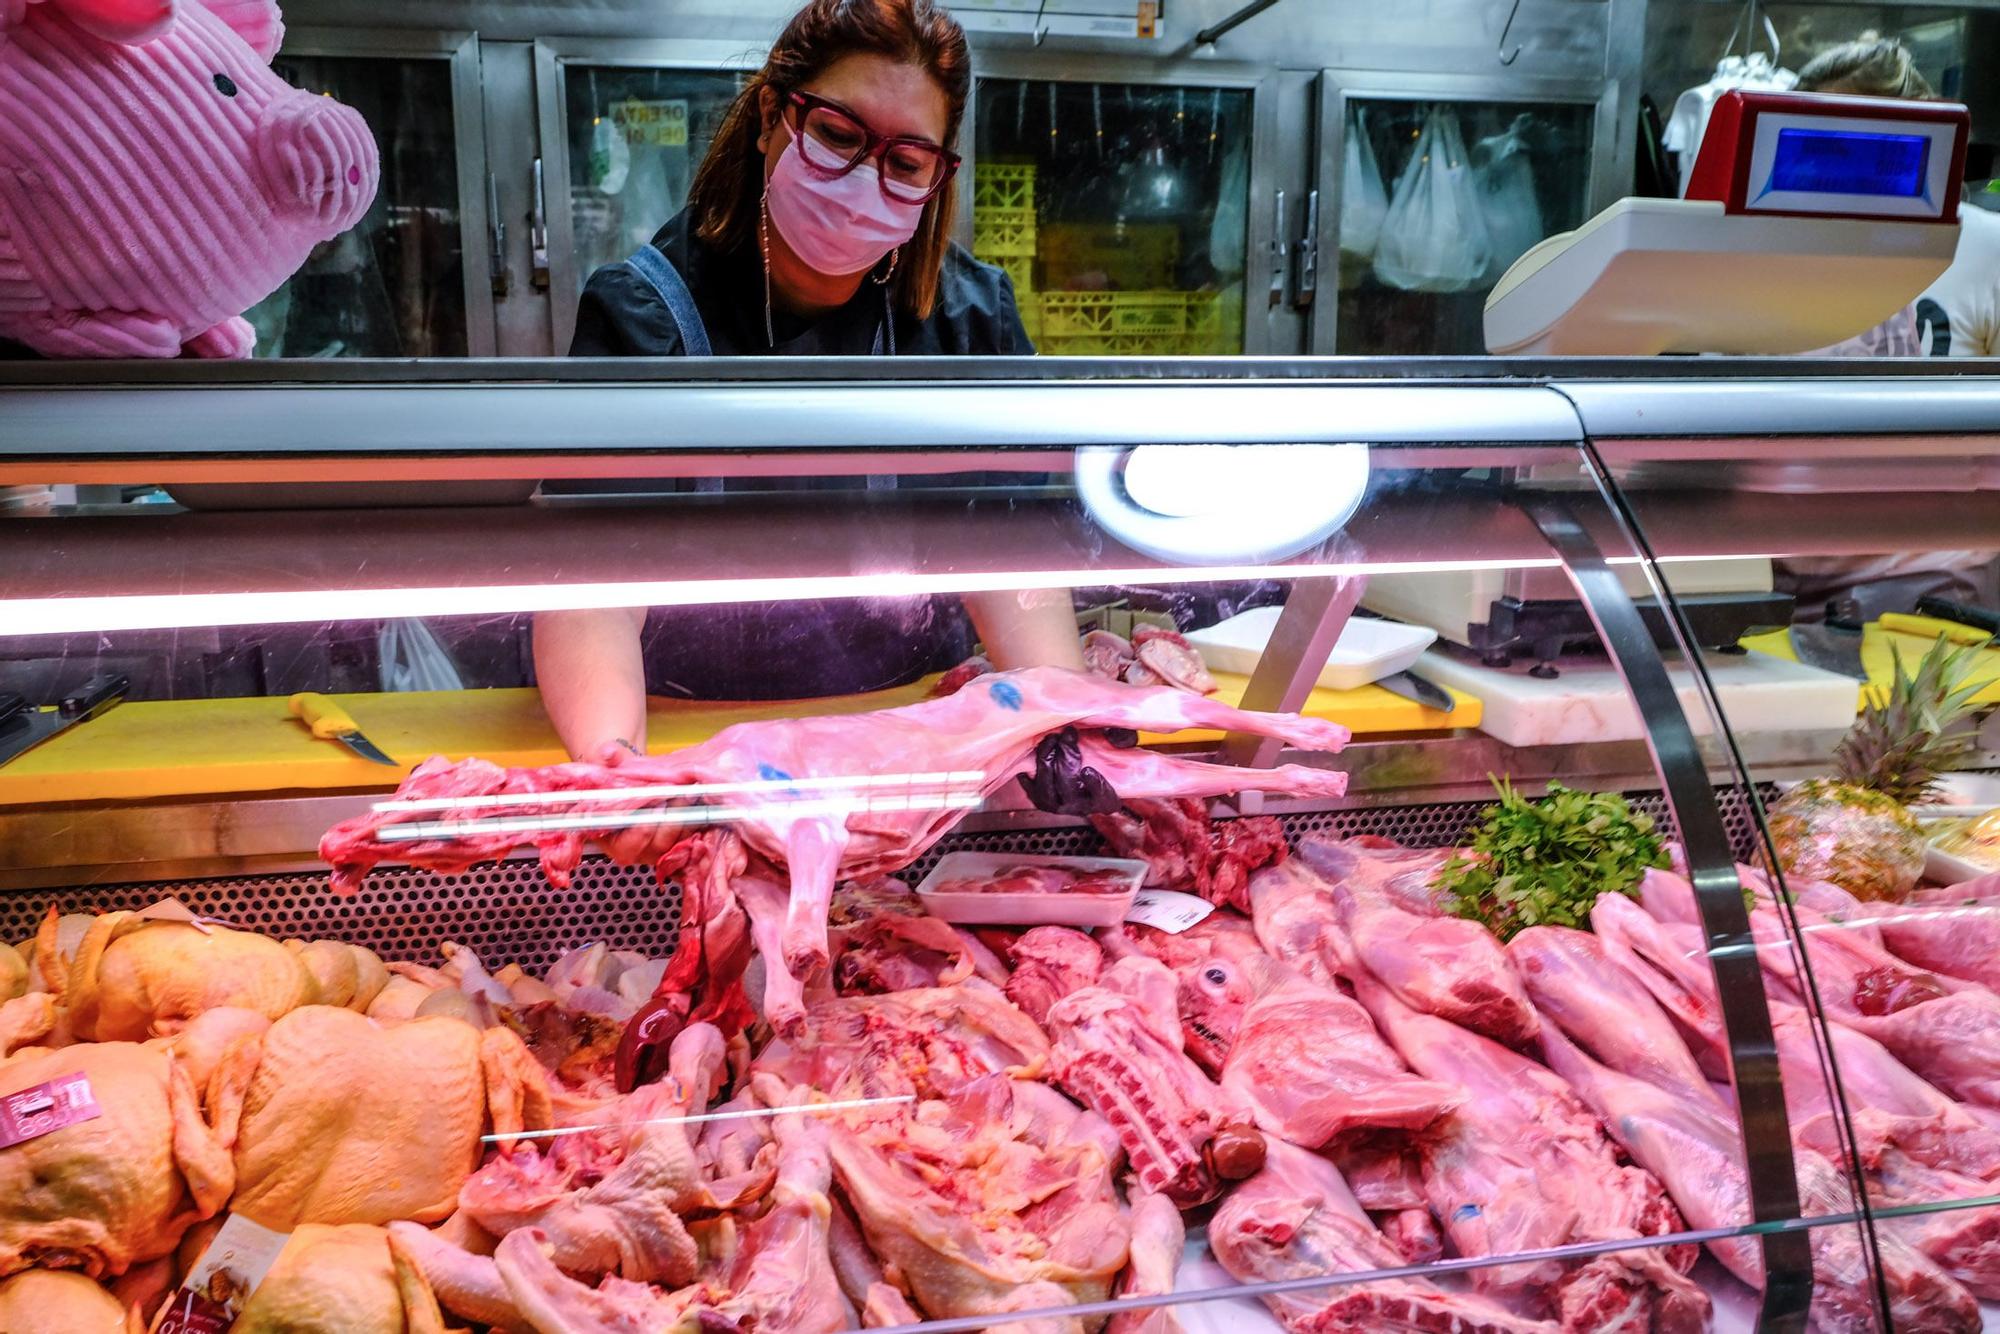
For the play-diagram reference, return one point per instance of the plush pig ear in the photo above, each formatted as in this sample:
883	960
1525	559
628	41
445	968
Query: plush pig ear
257	22
126	22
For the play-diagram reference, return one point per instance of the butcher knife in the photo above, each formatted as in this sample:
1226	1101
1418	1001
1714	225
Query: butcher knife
1830	648
23	727
330	722
1421	689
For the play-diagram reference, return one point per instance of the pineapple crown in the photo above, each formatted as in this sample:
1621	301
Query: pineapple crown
1898	747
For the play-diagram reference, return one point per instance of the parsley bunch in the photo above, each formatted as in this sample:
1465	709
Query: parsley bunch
1544	862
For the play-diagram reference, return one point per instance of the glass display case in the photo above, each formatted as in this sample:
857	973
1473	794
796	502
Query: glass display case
1260	845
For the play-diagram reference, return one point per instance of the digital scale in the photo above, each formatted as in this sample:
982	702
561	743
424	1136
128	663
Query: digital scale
1809	218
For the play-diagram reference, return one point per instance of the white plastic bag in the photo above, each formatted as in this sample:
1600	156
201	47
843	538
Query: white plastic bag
1512	212
412	658
1434	236
1364	201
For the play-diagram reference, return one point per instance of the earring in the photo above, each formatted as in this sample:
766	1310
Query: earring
894	255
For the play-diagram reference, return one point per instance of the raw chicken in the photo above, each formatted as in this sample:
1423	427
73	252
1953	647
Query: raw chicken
991	727
925	1043
969	1199
1117	1050
464	1283
134	978
1297	1219
1158	1240
337	1119
862	1280
27	1020
45	1301
340	1280
105	1194
1049	963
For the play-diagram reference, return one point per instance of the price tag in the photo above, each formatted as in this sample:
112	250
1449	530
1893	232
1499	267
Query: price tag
216	1289
652	124
1168	910
47	1108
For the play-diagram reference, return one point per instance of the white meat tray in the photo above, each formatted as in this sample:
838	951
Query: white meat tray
1369	649
1078	910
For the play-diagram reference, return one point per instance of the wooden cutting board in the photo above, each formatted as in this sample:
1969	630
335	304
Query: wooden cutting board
175	748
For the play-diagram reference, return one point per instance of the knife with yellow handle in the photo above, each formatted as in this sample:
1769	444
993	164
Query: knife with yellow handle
1930	627
330	722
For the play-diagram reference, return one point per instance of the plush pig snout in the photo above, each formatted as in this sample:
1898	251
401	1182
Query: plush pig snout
318	161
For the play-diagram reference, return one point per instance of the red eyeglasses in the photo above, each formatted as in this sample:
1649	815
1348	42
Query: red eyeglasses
834	141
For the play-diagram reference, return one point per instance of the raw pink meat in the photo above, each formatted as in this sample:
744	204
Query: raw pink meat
1292	909
991	728
1172	659
1522	1166
1696	1153
1297	1219
1380	866
1004	1185
1308	1063
1117	1050
1668	961
927	1043
1037	880
1049	963
1954	931
1446	967
1185	850
1573	980
1108	654
1158	1240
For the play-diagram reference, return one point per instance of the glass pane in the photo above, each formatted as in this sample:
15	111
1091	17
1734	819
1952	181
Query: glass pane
1120	212
1876	911
1409	1027
394	286
635	139
1437	200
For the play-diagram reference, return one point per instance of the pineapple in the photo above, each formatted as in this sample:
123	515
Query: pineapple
1855	829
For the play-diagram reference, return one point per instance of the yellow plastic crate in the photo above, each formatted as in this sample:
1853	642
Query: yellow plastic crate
1020	269
1214	324
1003	185
1107	345
1003	233
1126	257
1151	315
1031	317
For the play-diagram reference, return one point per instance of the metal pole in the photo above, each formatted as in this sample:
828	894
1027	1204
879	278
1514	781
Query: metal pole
1214	33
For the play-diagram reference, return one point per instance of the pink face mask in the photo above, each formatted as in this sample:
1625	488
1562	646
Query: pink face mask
839	226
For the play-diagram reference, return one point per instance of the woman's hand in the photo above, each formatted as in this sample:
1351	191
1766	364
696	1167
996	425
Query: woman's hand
636	845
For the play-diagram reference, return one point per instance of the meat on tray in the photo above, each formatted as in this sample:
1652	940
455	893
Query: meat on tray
1037	880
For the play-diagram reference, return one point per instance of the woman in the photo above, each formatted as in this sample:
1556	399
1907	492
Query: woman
819	224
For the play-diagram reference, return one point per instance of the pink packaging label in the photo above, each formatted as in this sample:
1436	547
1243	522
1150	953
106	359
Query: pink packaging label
46	1108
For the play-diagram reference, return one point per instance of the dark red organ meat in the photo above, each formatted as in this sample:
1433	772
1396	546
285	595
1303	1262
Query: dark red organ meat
1190	852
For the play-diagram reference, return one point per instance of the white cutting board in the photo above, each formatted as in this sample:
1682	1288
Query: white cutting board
1588	701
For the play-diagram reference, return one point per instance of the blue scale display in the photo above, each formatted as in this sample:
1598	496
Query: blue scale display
1849	162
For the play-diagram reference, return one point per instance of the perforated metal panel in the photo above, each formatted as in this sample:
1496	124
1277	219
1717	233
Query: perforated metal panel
508	913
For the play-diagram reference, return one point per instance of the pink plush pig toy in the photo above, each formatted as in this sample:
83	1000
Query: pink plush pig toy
156	178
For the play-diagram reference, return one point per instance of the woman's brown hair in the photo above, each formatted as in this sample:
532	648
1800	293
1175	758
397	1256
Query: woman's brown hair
727	195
